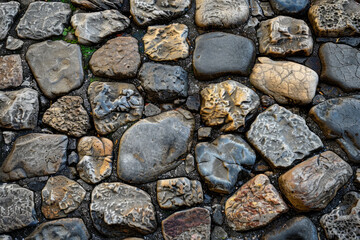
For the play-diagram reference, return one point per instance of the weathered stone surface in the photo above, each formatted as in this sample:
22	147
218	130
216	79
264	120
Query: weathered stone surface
33	155
335	18
13	43
92	28
19	109
254	205
312	184
163	83
43	19
114	104
217	54
282	137
5	237
151	110
267	9
17	207
339	119
229	103
177	192
95	159
292	7
153	145
166	43
147	12
204	133
115	213
343	222
98	5
285	36
340	66
194	223
68	115
8	11
287	82
11	71
300	228
57	66
118	58
221	14
62	229
220	162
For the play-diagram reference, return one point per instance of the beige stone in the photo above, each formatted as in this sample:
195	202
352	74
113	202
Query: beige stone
11	71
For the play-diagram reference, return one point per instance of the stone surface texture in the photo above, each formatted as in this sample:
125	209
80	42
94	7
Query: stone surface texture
8	11
98	5
290	7
13	43
11	71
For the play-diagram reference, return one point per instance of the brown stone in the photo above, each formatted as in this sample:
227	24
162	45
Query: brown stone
312	184
254	205
11	71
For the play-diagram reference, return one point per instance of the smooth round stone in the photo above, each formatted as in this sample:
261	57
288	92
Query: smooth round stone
290	7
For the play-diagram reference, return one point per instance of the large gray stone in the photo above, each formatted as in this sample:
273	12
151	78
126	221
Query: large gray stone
11	71
8	11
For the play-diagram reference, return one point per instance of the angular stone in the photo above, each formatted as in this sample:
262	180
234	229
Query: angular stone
13	43
8	11
166	43
194	223
221	14
285	36
147	12
11	71
8	136
68	115
43	19
204	133
57	66
267	10
19	109
163	83
151	110
339	119
98	5
293	7
177	192
17	207
282	137
95	159
114	104
34	155
343	222
61	196
216	54
335	18
340	66
220	162
118	58
254	205
62	229
218	233
153	145
229	103
312	184
287	82
115	213
189	163
92	28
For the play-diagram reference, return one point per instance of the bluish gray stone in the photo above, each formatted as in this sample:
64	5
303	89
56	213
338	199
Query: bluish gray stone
290	7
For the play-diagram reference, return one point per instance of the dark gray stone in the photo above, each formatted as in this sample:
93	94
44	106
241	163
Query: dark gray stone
13	43
217	215
98	5
8	11
290	7
193	102
73	158
218	233
151	110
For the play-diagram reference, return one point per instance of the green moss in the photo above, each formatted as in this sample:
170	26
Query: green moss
87	51
94	79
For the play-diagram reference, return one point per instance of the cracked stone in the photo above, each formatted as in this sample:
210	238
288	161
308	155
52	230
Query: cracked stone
8	11
99	5
11	71
293	7
13	43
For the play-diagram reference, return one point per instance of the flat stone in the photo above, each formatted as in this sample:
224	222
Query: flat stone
163	83
220	162
5	237
254	205
11	71
282	137
193	102
229	103
68	115
343	222
61	196
147	12
339	119
57	67
115	213
92	28
151	110
34	155
177	192
287	82
267	9
312	184
114	104
300	228
153	146
166	43
293	7
95	159
43	20
98	5
8	11
335	18
118	58
204	133
13	43
19	109
216	54
62	229
194	223
285	36
340	66
221	14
